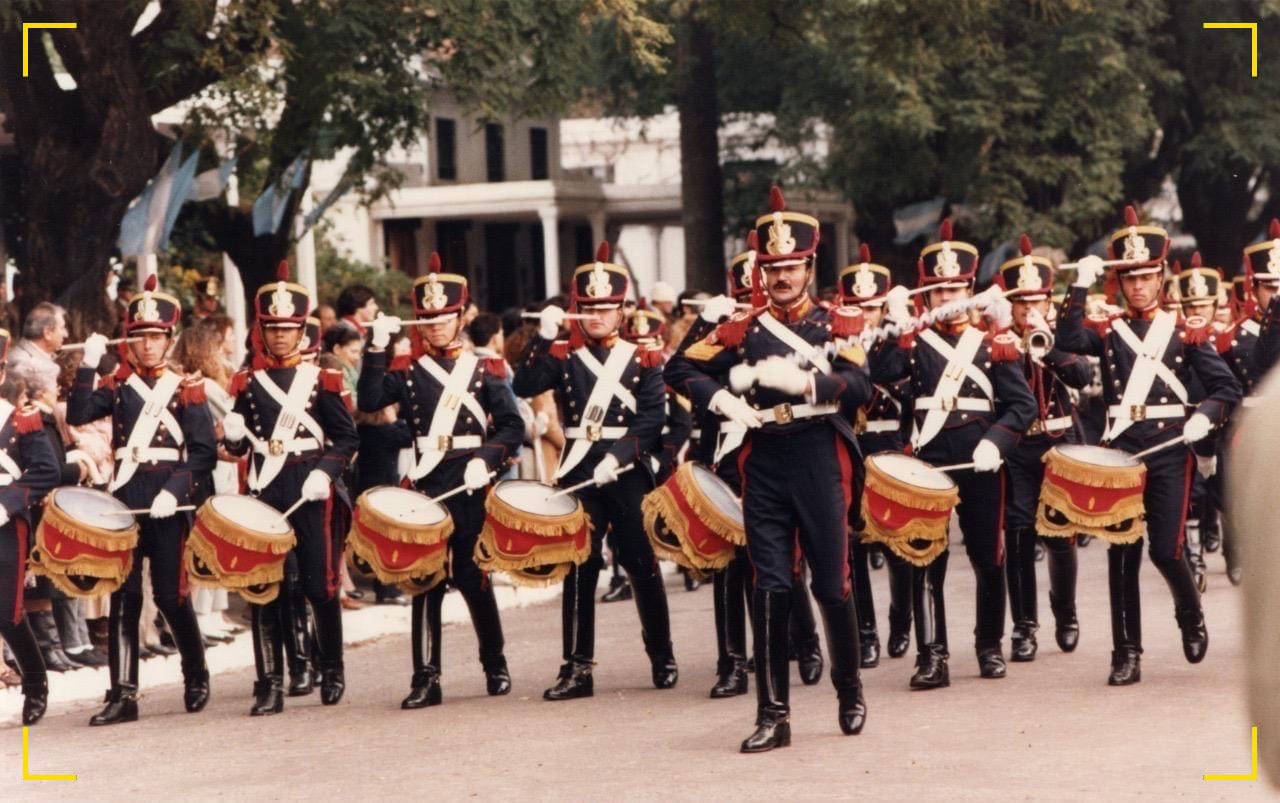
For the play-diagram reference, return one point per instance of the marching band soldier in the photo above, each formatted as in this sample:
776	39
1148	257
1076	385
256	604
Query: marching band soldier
1051	373
612	398
296	420
1262	272
30	470
647	328
449	396
970	402
788	411
1148	357
163	439
879	427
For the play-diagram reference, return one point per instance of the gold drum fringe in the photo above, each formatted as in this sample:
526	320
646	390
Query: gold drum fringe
395	530
239	535
660	509
359	547
71	527
199	548
712	516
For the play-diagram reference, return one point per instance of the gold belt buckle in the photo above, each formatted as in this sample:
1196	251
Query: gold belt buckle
783	414
136	454
1137	412
948	403
594	432
1036	427
275	447
444	443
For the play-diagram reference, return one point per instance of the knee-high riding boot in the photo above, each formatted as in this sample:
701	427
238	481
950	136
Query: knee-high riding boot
839	621
268	655
864	602
1123	563
655	624
578	629
930	613
1062	591
1186	607
122	660
483	606
771	616
425	645
329	649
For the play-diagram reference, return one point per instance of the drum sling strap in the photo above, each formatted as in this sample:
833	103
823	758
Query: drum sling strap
1146	368
293	411
959	367
9	469
607	387
155	411
453	397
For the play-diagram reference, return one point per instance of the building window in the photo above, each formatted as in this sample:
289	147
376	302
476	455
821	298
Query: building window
493	156
446	149
538	154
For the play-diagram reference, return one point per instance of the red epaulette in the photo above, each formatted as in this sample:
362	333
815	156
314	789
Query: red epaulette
401	363
907	340
193	392
1223	340
239	381
847	322
1196	330
1003	347
652	357
496	366
560	349
732	332
331	380
1102	327
27	420
108	382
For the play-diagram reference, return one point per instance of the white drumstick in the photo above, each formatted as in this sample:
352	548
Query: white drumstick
285	515
145	511
954	467
456	491
72	346
1106	263
700	302
568	316
1159	447
585	483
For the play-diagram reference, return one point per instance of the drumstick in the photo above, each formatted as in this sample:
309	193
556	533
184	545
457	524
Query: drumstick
699	302
568	316
585	483
954	467
71	346
1106	263
146	511
458	490
301	501
1159	447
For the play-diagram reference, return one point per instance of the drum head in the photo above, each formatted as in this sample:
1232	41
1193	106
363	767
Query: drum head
1097	455
95	508
718	492
405	506
533	497
911	470
253	514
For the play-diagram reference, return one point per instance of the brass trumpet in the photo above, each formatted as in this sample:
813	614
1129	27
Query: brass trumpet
1038	339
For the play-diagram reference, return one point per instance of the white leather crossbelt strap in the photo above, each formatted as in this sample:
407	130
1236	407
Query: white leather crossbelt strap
9	468
1147	367
946	394
795	342
1141	412
148	454
292	414
606	387
155	411
1050	425
454	395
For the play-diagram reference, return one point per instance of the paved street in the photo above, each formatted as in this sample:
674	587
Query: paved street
1051	730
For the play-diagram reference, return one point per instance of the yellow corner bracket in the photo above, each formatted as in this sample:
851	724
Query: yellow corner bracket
1253	773
26	774
1251	27
27	27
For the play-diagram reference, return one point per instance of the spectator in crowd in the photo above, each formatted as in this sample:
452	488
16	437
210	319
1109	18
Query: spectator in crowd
662	297
327	317
43	333
485	331
357	307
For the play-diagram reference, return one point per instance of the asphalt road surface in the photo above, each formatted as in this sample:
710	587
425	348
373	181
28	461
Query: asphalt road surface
1052	729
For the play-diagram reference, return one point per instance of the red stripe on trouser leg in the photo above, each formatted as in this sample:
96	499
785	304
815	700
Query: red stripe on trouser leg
20	535
743	453
846	489
1000	523
333	574
1186	501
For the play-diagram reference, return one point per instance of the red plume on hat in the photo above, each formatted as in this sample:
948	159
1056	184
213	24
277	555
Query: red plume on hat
150	284
944	230
1130	216
758	299
433	264
777	203
864	253
1024	245
282	270
1273	232
1195	260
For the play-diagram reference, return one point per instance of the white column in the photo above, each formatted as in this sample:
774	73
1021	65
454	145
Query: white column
655	247
843	257
550	217
306	249
148	265
232	284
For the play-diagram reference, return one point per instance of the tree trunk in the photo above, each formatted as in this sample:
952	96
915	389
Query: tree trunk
701	179
1215	209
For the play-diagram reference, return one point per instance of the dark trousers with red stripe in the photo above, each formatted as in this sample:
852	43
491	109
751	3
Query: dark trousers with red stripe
1167	495
981	517
13	619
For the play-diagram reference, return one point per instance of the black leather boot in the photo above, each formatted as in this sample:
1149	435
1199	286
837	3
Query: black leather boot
990	625
1062	592
268	655
655	625
45	629
864	602
929	609
296	621
35	699
1195	636
185	629
488	624
771	617
26	655
425	645
1020	571
122	654
619	586
899	606
840	623
991	663
1123	563
731	637
804	635
876	558
578	629
329	650
1187	610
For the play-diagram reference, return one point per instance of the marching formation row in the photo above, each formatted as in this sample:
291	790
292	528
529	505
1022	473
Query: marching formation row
780	429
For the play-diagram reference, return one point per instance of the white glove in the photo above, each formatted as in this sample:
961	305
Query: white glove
552	319
989	298
163	506
1207	466
4	519
95	345
1196	428
781	374
735	409
717	308
476	475
999	312
383	326
986	457
316	486
606	470
1088	270
233	430
896	304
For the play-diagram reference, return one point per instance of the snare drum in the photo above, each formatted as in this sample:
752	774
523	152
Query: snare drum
694	519
532	537
907	506
401	537
239	543
1092	490
85	541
